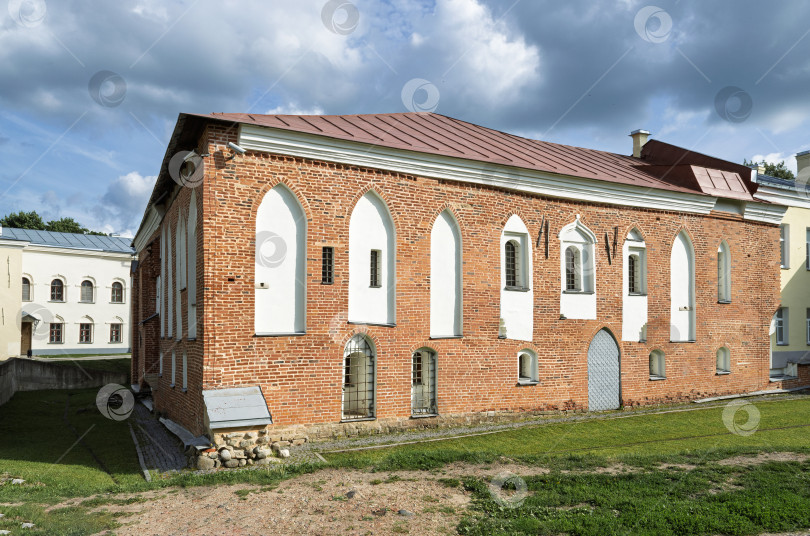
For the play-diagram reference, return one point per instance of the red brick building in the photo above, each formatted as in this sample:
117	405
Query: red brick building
383	268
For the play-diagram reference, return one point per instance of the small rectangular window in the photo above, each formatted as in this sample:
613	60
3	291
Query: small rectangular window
174	367
55	333
807	249
782	326
327	265
375	268
808	325
85	333
115	332
633	275
784	245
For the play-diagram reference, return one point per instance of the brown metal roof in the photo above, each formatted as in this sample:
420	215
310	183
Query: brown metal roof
436	134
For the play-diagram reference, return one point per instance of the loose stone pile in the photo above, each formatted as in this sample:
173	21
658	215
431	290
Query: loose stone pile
240	449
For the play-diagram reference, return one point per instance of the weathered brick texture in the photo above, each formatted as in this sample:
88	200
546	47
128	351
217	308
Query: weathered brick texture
301	376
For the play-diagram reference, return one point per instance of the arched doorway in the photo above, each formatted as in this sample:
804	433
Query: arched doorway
604	375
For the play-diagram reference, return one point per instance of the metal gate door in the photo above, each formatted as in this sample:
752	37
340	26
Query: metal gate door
603	373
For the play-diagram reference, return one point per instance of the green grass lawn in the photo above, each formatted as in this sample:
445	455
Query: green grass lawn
107	365
574	498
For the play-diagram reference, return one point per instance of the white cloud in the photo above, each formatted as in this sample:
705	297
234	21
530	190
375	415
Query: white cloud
121	207
294	109
775	158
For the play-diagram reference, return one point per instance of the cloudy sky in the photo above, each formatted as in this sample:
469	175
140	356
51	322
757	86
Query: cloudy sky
90	91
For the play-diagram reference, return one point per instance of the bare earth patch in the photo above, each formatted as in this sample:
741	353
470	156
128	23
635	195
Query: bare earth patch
314	504
764	457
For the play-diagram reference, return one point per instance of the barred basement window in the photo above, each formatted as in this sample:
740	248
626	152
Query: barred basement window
55	333
376	276
359	377
423	383
85	333
115	332
327	265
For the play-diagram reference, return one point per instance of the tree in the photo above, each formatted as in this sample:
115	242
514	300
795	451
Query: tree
32	220
779	170
23	220
65	225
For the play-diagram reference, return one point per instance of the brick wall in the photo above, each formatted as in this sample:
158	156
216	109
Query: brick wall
301	376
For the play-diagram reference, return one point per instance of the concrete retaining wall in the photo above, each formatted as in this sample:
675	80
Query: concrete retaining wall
27	375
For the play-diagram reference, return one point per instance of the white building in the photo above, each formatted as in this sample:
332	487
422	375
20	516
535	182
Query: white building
74	294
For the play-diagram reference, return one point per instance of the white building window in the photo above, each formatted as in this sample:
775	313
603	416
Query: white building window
807	249
26	289
445	277
634	302
807	321
723	273
85	333
784	244
657	365
782	336
115	332
723	360
517	296
280	264
371	228
117	292
577	271
57	290
682	290
527	367
87	291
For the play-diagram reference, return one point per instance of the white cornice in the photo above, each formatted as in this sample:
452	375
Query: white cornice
39	248
791	198
441	167
764	212
148	228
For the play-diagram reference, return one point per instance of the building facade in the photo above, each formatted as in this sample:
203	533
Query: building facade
71	293
370	271
790	330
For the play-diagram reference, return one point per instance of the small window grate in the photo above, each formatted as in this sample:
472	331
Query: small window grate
511	254
375	268
327	265
632	274
358	379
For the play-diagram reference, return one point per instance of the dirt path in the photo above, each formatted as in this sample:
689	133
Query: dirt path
316	504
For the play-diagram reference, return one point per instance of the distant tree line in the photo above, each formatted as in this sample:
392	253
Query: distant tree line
780	170
32	220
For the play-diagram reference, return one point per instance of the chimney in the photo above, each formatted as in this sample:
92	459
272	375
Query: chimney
639	139
803	163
